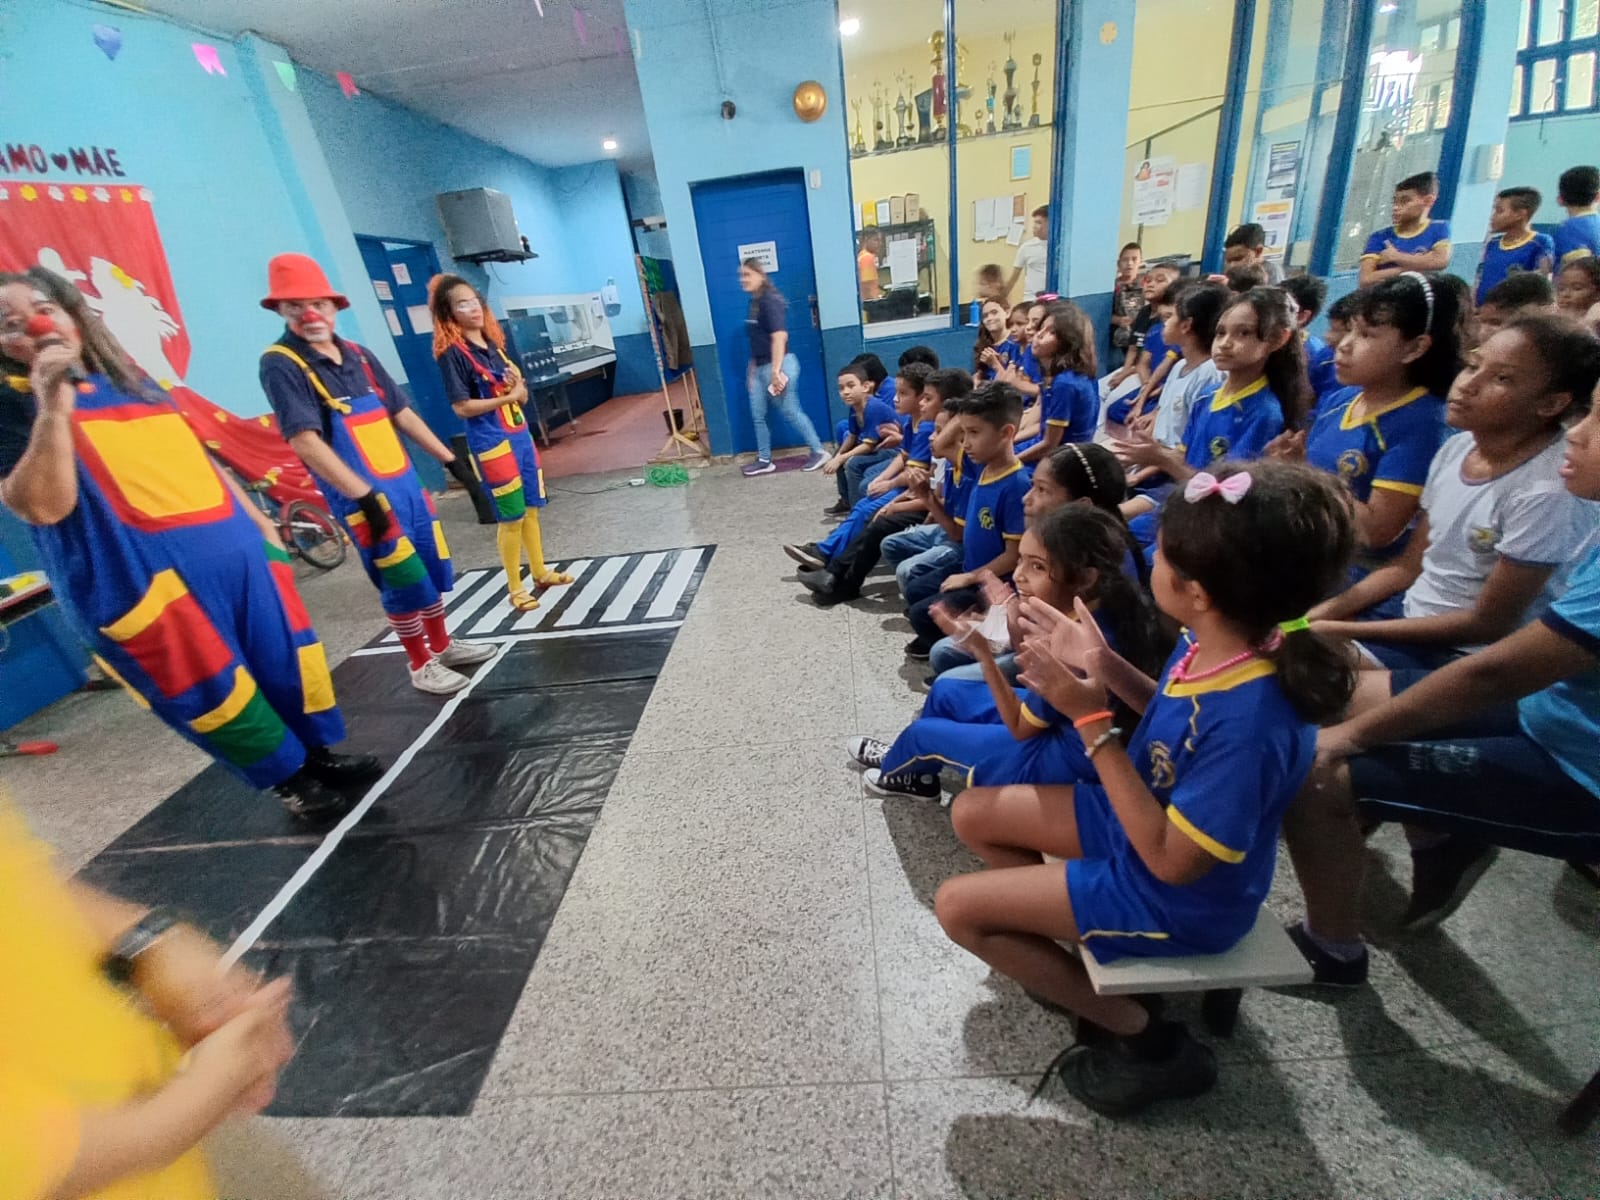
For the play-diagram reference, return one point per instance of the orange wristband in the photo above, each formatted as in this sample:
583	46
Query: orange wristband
1105	714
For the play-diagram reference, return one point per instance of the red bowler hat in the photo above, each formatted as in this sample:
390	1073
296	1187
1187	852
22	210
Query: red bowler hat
298	277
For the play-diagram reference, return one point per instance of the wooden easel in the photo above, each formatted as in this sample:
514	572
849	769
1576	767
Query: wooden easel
687	440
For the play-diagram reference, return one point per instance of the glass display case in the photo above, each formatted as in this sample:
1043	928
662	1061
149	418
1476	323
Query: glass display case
564	333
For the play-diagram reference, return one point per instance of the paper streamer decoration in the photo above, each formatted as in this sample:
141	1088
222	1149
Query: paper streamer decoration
539	4
577	23
347	85
286	74
109	39
206	56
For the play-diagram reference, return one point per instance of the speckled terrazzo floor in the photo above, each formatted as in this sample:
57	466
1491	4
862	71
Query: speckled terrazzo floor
745	992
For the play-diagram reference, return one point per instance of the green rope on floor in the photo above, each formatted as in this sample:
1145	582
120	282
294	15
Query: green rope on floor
666	475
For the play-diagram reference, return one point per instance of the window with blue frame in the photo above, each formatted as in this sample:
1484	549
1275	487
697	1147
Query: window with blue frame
1558	46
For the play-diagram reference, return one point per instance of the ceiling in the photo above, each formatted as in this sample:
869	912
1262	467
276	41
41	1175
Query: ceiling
494	68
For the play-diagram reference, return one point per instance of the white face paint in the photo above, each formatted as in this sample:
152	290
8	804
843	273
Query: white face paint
310	319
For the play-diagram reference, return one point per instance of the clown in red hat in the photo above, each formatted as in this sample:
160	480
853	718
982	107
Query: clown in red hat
343	415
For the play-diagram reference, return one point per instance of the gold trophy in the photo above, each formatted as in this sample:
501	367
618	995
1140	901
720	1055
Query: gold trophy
1033	118
860	146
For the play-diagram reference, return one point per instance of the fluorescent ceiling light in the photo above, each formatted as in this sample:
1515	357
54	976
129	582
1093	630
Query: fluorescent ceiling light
850	26
609	144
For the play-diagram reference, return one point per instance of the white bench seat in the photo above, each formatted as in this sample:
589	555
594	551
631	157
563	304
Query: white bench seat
1265	957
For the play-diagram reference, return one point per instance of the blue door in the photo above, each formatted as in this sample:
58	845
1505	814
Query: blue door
400	272
747	212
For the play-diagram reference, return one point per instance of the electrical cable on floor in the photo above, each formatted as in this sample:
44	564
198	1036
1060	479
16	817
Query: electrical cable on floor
572	491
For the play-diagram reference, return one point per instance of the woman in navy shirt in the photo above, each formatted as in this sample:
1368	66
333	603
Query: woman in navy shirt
774	372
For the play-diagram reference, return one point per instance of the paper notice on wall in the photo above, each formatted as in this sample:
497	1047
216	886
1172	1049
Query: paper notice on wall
381	286
903	262
402	273
982	219
394	322
1190	189
1154	182
1274	216
766	253
421	319
1018	227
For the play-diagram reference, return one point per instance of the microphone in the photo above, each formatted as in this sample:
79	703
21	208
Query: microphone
43	332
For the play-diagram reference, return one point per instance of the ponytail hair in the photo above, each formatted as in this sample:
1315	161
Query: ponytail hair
446	332
1415	304
101	353
1079	539
1265	558
1276	313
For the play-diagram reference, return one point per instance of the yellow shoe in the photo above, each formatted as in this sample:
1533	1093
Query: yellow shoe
553	579
523	602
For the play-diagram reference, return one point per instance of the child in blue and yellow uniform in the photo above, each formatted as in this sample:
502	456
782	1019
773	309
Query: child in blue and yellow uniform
1171	843
1413	242
995	733
1379	434
343	415
1578	236
486	391
990	528
1515	246
175	580
861	436
1258	347
1069	406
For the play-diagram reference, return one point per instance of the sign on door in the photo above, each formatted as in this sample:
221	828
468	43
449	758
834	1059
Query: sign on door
765	253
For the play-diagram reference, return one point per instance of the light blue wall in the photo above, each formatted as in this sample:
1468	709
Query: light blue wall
389	162
198	142
643	195
678	73
1538	151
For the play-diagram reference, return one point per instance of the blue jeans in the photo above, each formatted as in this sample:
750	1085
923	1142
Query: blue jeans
909	543
786	402
920	576
860	471
947	659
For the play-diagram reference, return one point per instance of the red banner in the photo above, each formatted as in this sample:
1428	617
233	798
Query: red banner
104	239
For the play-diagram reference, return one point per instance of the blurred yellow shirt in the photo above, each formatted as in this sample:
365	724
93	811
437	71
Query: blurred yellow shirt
69	1040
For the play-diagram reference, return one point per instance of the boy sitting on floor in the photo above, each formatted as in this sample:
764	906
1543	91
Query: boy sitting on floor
846	573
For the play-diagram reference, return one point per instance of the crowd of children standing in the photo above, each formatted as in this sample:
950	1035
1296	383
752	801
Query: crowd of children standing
1240	580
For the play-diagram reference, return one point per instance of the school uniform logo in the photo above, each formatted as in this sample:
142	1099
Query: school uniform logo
986	518
1483	539
1218	446
1162	772
1352	465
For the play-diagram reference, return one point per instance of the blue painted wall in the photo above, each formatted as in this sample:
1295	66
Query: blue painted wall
221	202
1538	151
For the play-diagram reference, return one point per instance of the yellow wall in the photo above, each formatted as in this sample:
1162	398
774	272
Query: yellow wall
1180	71
983	163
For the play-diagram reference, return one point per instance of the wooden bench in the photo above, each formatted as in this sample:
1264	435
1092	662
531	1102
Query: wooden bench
1264	957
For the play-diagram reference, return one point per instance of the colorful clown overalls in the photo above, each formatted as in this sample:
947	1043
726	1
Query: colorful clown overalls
502	448
507	462
409	563
169	580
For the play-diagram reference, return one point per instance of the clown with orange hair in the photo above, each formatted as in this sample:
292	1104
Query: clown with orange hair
486	391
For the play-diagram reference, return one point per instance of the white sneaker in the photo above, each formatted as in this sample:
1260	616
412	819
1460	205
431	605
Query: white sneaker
465	654
437	679
867	751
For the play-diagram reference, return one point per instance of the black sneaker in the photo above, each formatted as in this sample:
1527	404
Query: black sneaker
808	554
903	783
839	508
1110	1078
824	585
309	799
1328	969
918	649
341	770
868	751
1441	877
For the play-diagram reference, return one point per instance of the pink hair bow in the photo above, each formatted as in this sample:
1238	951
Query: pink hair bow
1232	489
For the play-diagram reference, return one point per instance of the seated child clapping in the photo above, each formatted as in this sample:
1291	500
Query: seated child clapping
868	414
1171	843
985	728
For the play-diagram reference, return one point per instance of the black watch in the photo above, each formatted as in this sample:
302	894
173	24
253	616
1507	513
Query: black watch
118	965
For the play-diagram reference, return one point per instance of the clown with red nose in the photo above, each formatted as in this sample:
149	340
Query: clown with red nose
343	415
